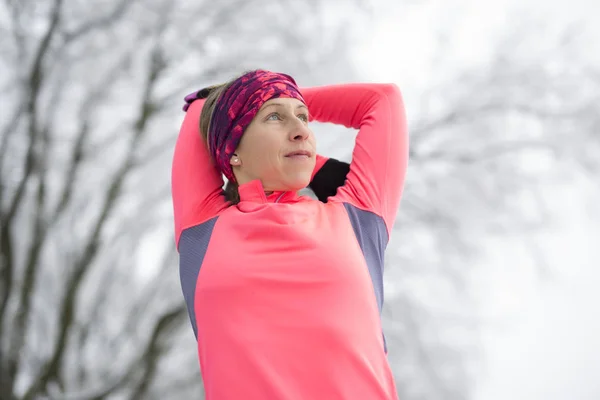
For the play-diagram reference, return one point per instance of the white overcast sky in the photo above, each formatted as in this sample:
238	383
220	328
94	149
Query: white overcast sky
545	343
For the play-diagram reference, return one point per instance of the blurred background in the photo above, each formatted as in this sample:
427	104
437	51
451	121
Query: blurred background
492	278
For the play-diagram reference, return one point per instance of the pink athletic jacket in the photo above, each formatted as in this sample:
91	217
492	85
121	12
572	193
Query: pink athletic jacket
285	292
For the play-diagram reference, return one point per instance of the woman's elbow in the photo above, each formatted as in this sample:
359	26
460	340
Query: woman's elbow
391	91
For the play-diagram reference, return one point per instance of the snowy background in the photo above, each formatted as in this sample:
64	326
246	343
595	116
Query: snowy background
492	270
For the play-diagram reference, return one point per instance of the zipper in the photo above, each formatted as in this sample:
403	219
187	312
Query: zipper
279	198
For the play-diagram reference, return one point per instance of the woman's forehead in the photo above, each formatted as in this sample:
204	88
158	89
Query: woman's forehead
284	102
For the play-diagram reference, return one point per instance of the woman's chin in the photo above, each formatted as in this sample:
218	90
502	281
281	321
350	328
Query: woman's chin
294	180
297	182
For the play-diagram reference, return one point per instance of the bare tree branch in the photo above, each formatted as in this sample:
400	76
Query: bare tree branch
40	226
6	267
142	369
51	369
482	154
17	28
149	293
414	328
34	84
7	133
9	370
39	230
154	349
466	114
101	22
77	154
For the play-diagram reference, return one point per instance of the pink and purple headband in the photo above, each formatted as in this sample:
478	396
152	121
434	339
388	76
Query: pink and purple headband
236	108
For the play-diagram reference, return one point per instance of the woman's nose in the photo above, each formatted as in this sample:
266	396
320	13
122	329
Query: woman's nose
299	131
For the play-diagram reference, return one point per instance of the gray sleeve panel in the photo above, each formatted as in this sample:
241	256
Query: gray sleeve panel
193	244
372	237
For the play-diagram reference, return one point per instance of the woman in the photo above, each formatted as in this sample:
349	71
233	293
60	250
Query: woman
285	292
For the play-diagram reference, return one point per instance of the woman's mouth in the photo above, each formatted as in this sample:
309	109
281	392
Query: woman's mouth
299	155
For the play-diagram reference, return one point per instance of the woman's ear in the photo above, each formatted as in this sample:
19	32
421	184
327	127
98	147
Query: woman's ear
235	160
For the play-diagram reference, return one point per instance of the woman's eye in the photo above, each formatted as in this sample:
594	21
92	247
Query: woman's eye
275	115
303	117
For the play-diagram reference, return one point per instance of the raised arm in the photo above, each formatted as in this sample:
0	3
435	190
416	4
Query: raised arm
196	184
380	155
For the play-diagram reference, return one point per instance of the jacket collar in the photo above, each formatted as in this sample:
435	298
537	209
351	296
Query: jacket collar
253	191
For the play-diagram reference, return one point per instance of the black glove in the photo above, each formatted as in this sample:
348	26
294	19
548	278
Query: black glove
329	178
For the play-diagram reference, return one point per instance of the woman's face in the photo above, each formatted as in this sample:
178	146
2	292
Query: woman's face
277	147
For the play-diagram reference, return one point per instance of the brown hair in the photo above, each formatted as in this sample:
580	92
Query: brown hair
214	92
